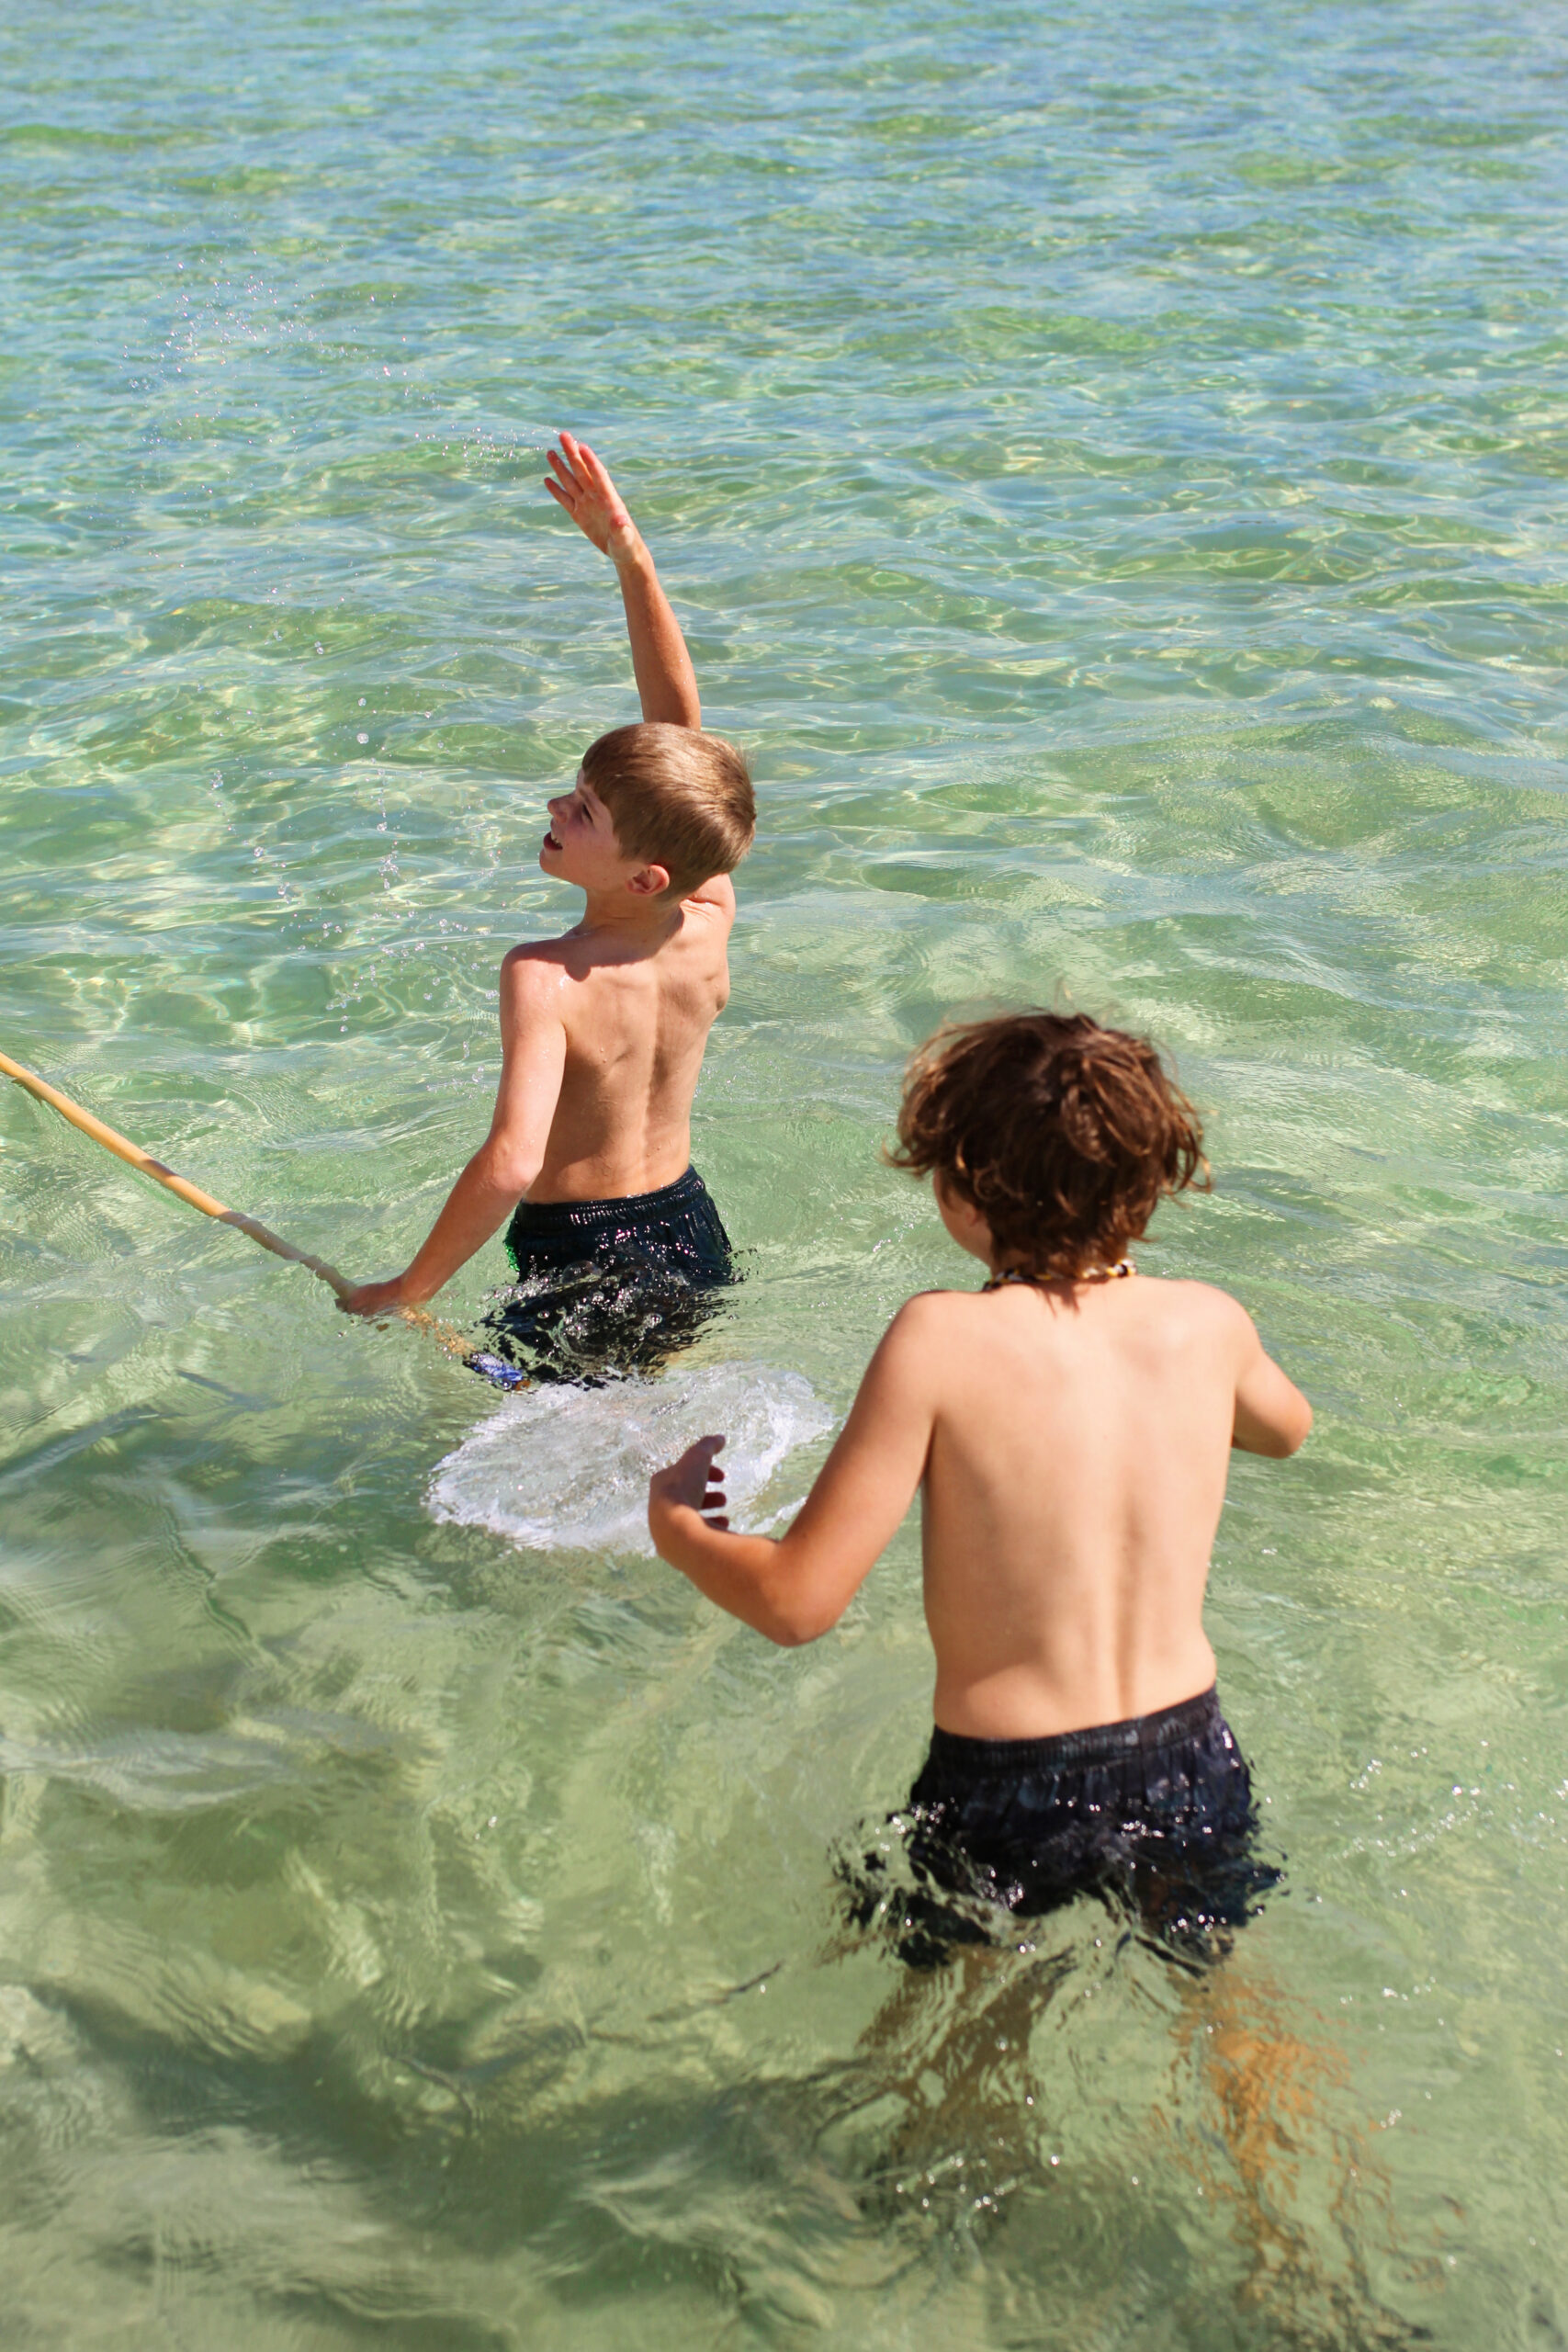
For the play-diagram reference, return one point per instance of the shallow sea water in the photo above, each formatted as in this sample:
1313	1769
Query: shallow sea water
1111	464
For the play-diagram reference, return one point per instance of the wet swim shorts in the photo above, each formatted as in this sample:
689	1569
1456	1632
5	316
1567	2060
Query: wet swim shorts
1156	1814
610	1287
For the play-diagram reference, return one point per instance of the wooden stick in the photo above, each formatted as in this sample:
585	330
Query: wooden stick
134	1157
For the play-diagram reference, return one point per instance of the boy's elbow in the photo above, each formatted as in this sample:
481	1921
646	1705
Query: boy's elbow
1293	1433
510	1170
1275	1441
792	1633
793	1620
513	1177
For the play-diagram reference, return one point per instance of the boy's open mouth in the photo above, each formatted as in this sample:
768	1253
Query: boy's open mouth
550	841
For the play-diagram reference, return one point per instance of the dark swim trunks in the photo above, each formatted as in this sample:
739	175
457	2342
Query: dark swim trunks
1155	1815
610	1287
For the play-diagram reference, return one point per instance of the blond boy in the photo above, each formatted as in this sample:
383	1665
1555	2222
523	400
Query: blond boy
613	1235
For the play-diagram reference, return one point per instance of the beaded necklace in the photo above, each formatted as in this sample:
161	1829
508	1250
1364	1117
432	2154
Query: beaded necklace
1116	1273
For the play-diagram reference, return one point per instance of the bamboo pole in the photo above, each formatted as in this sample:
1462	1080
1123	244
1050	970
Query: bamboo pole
181	1187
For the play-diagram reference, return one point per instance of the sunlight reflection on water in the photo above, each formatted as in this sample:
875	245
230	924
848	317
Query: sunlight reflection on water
1110	469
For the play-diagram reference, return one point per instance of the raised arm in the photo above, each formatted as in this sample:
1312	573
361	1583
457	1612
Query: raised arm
665	680
533	1059
795	1589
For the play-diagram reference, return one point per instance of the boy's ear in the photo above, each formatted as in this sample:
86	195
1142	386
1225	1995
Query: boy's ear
648	881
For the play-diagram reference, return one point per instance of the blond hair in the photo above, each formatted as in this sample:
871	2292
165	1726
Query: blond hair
677	796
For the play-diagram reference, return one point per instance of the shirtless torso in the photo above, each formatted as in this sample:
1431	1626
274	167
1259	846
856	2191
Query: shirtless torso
1071	1442
630	1018
1079	1440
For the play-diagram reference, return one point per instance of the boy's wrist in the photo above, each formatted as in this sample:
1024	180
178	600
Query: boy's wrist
629	552
661	1512
674	1527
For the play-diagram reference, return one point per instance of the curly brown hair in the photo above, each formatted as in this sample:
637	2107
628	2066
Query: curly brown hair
1065	1135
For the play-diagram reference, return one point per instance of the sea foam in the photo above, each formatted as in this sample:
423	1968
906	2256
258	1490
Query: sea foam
567	1469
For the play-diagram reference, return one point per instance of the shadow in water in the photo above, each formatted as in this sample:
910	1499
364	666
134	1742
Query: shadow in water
1075	2138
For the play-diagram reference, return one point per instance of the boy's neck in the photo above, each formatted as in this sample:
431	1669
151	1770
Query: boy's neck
614	913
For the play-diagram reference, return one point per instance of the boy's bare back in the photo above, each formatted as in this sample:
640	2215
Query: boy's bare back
1071	1440
630	1019
1080	1436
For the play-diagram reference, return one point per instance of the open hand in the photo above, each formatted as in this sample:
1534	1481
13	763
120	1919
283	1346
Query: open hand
695	1481
579	483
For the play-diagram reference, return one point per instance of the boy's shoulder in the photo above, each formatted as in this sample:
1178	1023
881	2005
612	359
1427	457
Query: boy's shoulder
1193	1324
534	976
1205	1303
943	1346
1201	1308
1187	1291
535	964
915	1331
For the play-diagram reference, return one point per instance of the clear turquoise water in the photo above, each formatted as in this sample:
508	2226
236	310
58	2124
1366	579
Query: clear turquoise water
1111	466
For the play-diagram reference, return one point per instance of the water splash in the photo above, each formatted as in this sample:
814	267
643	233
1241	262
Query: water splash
567	1469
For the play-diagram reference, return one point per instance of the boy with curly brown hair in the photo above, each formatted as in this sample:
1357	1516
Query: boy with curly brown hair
1068	1427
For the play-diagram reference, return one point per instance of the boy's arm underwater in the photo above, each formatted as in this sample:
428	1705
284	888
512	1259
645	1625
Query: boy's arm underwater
793	1588
532	1065
666	682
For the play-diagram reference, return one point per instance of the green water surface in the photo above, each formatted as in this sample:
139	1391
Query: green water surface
1111	464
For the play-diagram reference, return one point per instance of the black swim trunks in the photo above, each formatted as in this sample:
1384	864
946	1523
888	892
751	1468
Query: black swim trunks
1156	1815
610	1287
